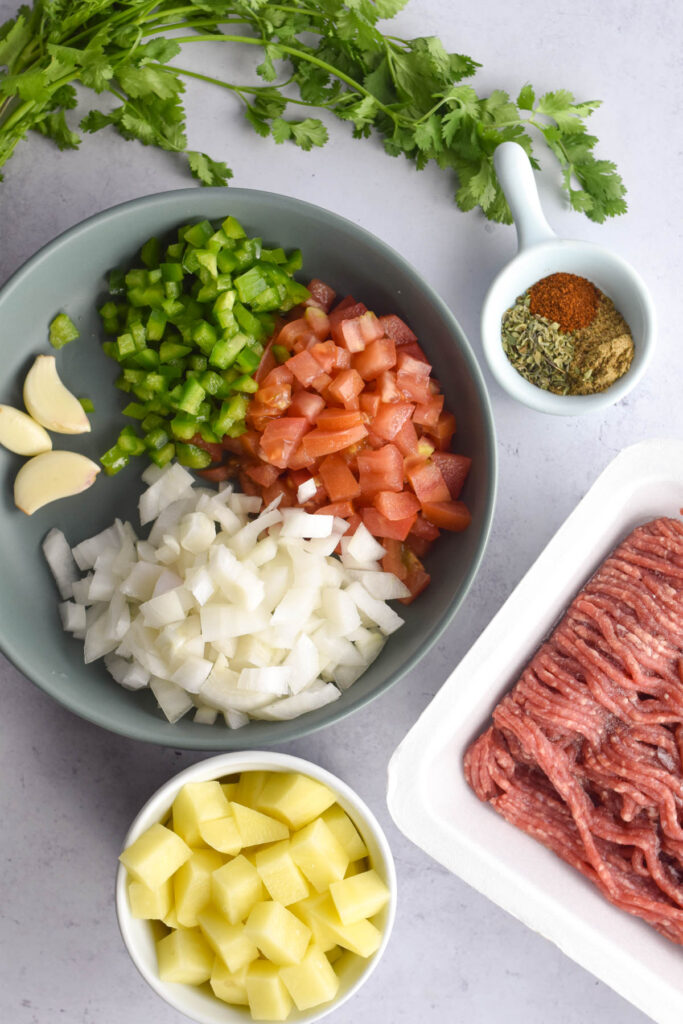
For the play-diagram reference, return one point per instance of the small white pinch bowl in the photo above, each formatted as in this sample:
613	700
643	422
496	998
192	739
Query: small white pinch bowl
199	1003
542	253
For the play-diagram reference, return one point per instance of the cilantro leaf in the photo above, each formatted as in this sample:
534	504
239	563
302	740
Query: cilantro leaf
208	171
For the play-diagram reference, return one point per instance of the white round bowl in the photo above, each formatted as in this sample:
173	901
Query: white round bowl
541	253
138	935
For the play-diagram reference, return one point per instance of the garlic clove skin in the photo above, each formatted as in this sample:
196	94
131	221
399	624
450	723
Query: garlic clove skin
50	476
21	434
49	402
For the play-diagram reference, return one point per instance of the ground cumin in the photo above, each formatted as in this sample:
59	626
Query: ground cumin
565	299
603	351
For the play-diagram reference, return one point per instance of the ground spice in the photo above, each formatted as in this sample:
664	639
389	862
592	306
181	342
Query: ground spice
581	361
566	299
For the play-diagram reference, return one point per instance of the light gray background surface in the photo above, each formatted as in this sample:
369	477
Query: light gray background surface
69	790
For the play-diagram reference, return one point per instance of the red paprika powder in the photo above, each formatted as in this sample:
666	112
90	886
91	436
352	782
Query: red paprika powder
566	299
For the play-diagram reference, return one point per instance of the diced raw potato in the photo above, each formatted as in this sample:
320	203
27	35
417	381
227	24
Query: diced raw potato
155	856
279	934
231	788
359	896
230	941
338	821
196	803
311	982
228	986
294	798
248	790
171	919
256	828
221	834
150	904
334	954
280	875
235	888
306	911
192	885
268	998
362	937
319	854
356	867
185	957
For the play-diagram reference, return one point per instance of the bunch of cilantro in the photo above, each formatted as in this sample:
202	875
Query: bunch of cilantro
327	55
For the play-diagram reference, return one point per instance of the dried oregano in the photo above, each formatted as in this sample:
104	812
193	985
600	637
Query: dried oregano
537	348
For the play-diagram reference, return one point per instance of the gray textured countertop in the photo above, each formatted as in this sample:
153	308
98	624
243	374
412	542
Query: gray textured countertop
70	790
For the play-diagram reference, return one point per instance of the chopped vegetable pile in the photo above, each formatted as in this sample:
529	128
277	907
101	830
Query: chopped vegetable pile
190	326
221	612
328	56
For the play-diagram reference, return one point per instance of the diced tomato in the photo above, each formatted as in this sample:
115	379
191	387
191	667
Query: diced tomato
291	331
321	294
318	322
339	419
416	579
324	353
346	386
427	482
216	474
307	404
370	327
454	469
418	545
249	442
347	309
325	442
395	328
427	413
274	398
322	383
279	375
343	509
390	419
214	449
424	529
387	388
281	438
443	432
248	486
342	358
268	362
370	403
300	459
413	388
297	477
337	478
379	356
380	526
408	364
262	473
406	440
305	368
392	561
275	490
396	506
380	470
413	349
348	335
448	515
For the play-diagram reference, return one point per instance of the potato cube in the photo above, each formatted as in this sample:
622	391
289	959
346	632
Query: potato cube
230	941
334	954
280	875
294	798
268	997
256	828
280	936
185	956
150	904
230	790
320	856
171	918
357	867
155	856
248	789
311	982
230	986
197	802
192	885
221	834
338	821
359	896
361	938
305	910
235	888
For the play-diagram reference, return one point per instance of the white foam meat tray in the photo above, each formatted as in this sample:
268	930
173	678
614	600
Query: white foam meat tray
434	807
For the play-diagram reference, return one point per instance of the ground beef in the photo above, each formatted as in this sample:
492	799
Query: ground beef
585	753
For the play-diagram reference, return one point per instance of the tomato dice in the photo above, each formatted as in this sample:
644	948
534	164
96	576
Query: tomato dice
380	470
305	368
380	526
348	334
427	413
443	432
389	419
281	437
321	295
395	328
448	515
343	509
262	473
318	322
337	478
325	442
346	386
379	356
427	482
396	506
308	404
454	469
324	352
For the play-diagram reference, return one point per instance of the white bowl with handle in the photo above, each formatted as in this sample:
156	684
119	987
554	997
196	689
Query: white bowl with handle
542	253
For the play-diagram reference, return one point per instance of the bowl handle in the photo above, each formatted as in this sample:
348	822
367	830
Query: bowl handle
516	178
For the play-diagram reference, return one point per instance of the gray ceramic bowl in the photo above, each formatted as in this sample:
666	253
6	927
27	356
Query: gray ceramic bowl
68	274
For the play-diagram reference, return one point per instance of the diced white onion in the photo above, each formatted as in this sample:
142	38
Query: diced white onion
61	561
306	490
297	523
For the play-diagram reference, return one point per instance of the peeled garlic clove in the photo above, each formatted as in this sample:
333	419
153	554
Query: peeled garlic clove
49	402
21	434
50	476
